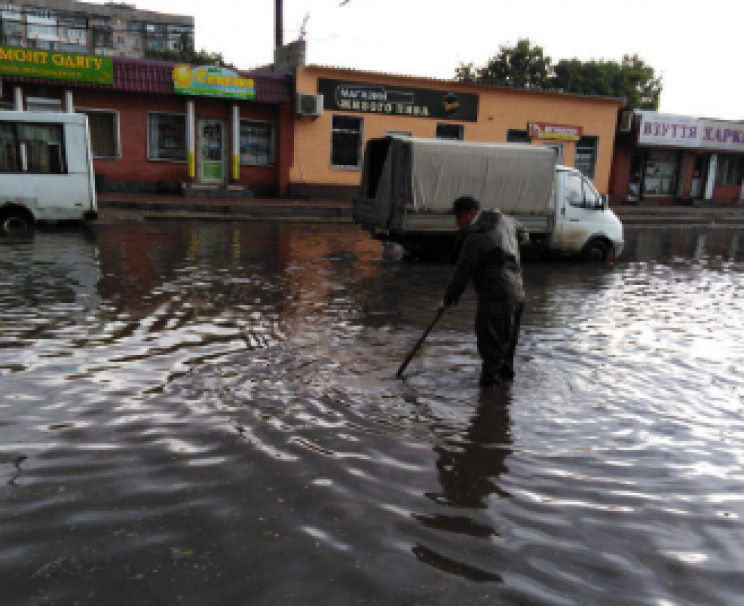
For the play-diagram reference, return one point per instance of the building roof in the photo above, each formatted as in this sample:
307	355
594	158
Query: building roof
458	84
155	77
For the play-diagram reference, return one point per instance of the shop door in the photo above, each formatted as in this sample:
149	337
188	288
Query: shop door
637	166
212	165
699	175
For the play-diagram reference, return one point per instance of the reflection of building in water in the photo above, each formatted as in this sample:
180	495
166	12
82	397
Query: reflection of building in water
306	256
680	244
184	270
469	470
67	267
50	288
179	271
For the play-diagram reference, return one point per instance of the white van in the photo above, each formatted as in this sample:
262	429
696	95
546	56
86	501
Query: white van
408	186
46	169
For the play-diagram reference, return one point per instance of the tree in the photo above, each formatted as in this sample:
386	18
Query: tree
631	80
187	54
520	66
526	66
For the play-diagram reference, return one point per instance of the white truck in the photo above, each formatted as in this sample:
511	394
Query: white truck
46	169
408	186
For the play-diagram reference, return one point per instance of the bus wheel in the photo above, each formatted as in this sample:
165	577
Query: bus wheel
15	222
596	251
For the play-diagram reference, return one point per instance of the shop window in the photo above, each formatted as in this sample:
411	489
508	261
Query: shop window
660	175
455	132
166	137
518	136
586	156
730	170
104	133
256	143
43	104
346	142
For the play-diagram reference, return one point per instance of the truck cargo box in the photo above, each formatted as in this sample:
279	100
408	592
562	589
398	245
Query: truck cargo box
411	183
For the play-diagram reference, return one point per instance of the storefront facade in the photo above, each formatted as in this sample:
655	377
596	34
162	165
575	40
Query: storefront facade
163	127
666	158
330	133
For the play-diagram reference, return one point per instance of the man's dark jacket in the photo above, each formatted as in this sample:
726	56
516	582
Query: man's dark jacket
489	255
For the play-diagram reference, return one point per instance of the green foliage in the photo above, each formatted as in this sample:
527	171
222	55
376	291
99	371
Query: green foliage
187	54
526	66
521	66
631	80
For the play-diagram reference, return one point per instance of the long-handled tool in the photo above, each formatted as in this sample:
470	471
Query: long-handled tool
416	347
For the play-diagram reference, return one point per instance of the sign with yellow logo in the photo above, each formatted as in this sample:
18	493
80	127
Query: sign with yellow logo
211	81
73	67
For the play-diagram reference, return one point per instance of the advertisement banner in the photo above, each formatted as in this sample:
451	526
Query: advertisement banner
715	134
668	130
562	132
397	101
72	67
212	81
690	132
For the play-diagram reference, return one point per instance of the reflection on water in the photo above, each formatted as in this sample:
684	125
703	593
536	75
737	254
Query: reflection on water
196	413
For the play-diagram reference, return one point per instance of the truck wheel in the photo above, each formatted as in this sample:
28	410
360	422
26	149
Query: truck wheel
596	251
15	222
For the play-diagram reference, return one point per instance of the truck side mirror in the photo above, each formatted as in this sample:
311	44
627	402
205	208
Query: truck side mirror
605	201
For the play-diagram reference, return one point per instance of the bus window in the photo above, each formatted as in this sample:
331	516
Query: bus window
43	146
8	148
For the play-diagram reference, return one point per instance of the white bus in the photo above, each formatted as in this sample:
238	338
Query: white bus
46	169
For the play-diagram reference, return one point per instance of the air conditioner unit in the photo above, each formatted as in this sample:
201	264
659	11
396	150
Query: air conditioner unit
626	121
309	105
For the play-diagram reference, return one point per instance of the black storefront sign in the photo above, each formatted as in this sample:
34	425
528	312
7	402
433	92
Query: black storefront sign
396	101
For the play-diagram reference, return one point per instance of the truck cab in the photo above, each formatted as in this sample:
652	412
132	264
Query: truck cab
583	222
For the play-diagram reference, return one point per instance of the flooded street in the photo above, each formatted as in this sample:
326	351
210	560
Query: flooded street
208	414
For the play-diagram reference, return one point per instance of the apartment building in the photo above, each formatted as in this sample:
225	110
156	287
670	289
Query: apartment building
110	29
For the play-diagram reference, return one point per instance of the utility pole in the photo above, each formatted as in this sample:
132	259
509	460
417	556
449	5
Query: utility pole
279	24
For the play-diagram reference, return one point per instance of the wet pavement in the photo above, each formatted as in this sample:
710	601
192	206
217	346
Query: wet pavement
208	413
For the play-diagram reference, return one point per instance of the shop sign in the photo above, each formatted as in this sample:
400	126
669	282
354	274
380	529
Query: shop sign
394	101
72	67
667	130
212	81
690	132
542	130
722	135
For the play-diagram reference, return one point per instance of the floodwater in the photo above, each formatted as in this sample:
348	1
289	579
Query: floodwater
208	414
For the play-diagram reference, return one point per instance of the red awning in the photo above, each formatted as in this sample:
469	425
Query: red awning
147	76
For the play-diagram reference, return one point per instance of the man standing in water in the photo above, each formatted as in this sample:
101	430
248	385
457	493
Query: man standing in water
488	245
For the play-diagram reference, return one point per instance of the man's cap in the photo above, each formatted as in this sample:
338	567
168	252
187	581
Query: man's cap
463	205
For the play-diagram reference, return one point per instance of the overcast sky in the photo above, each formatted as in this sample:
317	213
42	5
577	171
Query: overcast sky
695	46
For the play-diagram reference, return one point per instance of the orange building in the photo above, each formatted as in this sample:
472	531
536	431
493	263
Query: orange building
338	110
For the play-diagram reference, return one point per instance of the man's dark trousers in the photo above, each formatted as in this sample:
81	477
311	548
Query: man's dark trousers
497	331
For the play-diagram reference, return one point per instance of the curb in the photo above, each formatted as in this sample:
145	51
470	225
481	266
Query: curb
175	210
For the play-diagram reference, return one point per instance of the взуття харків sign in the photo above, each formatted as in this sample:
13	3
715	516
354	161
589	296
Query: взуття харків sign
690	132
56	65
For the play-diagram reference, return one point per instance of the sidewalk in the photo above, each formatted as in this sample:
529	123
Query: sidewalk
716	215
153	207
